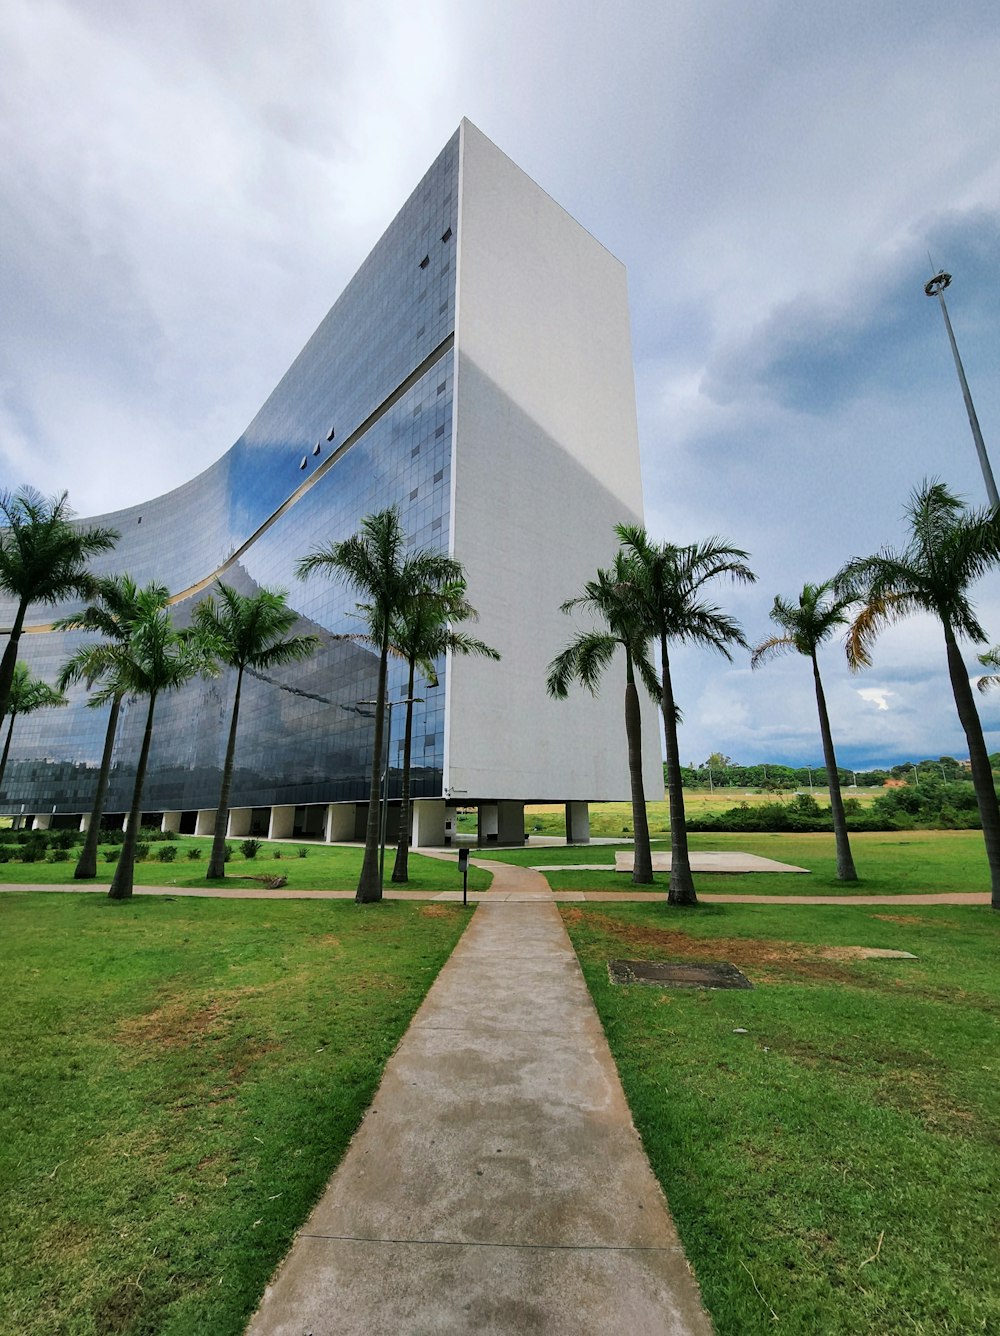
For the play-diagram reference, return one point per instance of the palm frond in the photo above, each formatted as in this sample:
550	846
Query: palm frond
771	648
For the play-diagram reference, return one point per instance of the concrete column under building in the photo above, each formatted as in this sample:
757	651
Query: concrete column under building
340	818
501	823
577	823
282	825
428	822
41	821
240	819
85	822
171	821
205	822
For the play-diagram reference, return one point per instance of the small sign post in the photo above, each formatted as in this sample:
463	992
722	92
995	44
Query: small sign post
463	863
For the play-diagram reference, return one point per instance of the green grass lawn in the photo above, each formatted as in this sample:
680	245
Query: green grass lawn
888	863
834	1169
178	1077
324	868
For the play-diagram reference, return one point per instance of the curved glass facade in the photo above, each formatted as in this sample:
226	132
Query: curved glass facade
373	391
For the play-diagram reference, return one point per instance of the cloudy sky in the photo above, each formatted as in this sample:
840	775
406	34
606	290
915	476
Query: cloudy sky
186	188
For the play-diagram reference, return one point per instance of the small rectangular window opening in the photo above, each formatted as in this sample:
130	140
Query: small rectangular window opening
425	262
330	434
446	236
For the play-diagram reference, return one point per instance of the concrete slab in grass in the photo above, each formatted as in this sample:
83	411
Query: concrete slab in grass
709	862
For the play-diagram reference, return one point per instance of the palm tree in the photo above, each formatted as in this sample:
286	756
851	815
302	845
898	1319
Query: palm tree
990	658
805	627
949	548
154	659
667	585
27	694
585	659
113	613
422	634
245	632
42	560
376	563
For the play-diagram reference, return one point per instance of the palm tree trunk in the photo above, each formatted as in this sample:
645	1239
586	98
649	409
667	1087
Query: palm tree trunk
121	883
642	867
9	660
217	862
6	747
982	773
681	882
845	859
401	869
87	862
370	882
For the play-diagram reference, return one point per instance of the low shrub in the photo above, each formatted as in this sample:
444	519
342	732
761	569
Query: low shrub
194	853
57	856
229	853
250	848
111	855
141	851
302	851
167	854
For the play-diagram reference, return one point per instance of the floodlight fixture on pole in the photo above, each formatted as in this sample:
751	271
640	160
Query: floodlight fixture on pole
934	287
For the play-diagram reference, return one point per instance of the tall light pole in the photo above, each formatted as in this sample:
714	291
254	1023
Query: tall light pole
935	287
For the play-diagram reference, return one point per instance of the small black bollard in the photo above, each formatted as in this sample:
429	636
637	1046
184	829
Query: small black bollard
463	863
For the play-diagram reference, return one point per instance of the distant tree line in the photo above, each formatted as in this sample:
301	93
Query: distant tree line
930	804
771	777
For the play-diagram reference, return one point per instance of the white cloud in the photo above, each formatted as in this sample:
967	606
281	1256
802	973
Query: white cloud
879	696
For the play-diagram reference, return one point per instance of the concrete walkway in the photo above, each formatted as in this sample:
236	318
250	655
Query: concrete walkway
497	1185
516	896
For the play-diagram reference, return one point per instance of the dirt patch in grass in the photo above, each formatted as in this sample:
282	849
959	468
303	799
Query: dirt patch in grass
172	1025
905	919
433	911
176	1023
765	957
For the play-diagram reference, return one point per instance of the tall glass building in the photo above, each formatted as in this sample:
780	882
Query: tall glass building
476	373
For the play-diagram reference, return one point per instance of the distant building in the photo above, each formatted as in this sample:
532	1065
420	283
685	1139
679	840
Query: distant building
476	373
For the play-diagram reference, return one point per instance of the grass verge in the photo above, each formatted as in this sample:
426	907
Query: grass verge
325	867
829	1142
178	1079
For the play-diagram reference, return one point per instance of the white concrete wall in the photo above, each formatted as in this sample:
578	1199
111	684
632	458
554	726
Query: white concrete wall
545	463
238	825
